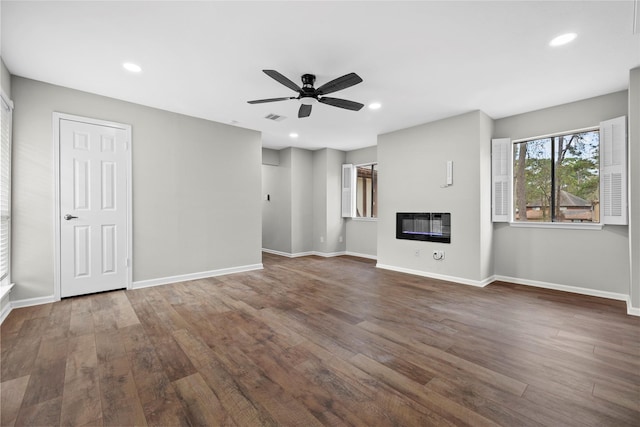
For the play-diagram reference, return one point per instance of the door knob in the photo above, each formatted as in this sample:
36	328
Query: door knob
68	217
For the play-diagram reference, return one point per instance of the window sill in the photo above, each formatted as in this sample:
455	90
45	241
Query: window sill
357	218
557	225
5	289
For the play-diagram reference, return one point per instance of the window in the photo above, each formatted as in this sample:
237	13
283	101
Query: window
367	191
5	189
572	177
557	178
360	191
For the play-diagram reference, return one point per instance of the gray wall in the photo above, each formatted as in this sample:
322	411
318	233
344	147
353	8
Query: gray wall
362	235
336	225
412	171
329	227
276	212
592	259
304	212
634	186
301	200
196	188
270	157
319	201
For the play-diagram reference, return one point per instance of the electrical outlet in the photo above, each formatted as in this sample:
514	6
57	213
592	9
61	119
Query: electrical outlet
438	255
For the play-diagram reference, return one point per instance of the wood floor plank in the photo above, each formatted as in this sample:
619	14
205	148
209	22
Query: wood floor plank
322	341
45	413
202	406
81	403
629	397
446	408
436	355
373	401
11	396
18	356
492	403
233	398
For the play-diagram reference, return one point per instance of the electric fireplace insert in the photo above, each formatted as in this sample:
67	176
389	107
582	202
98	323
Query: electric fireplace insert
425	226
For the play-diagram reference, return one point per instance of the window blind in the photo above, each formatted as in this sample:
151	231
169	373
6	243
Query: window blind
5	188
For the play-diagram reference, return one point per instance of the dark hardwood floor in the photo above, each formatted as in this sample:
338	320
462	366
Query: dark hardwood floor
315	341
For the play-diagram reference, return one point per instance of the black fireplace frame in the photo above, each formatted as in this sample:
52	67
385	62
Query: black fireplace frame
424	226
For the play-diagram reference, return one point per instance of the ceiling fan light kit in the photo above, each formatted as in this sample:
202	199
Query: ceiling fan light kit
308	95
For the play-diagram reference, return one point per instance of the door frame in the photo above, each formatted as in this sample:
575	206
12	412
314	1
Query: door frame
57	214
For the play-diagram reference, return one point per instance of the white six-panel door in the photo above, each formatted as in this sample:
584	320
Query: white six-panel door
93	207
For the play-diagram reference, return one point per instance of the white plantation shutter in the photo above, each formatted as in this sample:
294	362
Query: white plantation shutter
613	171
5	187
348	191
501	164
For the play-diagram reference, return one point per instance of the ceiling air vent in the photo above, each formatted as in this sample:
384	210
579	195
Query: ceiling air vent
274	117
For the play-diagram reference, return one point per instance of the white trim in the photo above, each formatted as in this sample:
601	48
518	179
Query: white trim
33	301
309	253
4	295
563	288
461	280
359	255
286	254
564	225
56	117
561	133
632	311
195	276
363	218
6	99
5	290
5	312
328	254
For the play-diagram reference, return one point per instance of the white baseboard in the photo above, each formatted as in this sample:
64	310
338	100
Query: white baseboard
328	254
632	311
478	283
194	276
32	301
284	254
5	311
564	288
301	254
10	305
573	289
356	254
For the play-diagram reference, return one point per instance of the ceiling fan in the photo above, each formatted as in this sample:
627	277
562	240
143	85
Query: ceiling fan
308	95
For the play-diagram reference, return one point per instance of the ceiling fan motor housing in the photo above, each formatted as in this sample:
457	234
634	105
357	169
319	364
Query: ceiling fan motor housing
308	80
308	93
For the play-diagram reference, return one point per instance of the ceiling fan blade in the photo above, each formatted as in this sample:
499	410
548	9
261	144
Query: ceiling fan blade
282	79
342	103
260	101
304	111
340	83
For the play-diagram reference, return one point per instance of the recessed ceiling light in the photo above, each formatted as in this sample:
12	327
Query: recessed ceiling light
293	135
130	66
563	39
374	106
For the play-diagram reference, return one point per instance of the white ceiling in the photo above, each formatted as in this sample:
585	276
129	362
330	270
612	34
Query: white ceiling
421	60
